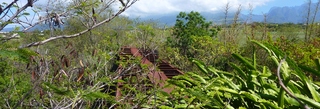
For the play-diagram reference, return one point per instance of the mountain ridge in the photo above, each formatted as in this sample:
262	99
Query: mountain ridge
294	14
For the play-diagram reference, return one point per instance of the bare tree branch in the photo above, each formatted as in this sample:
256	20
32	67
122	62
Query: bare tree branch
308	20
13	36
285	88
9	6
80	33
15	14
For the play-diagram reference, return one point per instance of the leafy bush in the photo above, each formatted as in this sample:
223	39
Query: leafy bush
249	86
188	25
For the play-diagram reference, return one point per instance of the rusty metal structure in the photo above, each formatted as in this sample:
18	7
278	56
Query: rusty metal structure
158	71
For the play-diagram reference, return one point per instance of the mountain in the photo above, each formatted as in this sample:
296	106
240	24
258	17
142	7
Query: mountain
295	14
215	17
40	27
285	15
8	29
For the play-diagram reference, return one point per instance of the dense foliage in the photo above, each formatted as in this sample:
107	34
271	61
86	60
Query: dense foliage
249	86
258	65
187	26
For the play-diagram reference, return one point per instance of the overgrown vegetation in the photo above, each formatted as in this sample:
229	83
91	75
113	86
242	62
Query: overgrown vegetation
249	65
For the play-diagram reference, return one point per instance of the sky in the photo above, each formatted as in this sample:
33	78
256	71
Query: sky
144	8
151	7
157	7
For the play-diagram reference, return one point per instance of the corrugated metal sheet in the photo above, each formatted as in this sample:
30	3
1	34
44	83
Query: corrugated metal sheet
156	77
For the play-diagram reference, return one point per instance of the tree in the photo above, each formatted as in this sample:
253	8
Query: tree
85	11
48	63
187	25
310	18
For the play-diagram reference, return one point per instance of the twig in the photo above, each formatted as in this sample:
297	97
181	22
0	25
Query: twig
80	33
36	84
13	36
15	14
285	88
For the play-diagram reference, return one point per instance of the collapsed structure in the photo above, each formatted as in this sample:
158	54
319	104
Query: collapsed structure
150	70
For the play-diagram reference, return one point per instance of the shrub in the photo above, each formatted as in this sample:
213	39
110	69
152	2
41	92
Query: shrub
249	86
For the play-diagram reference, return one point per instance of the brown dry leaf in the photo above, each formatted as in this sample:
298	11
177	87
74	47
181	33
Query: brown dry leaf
67	62
61	61
62	71
94	52
41	93
72	52
33	75
80	74
81	64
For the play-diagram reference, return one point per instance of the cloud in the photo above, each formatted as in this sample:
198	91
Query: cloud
152	7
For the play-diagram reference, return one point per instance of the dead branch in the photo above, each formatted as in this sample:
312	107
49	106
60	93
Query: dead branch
285	88
16	13
7	7
80	33
13	36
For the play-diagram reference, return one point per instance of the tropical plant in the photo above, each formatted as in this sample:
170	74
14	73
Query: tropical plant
248	86
188	25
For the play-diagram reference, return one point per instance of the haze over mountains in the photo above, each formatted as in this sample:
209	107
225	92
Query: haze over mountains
296	14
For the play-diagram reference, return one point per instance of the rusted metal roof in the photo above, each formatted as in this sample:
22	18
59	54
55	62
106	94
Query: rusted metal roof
159	71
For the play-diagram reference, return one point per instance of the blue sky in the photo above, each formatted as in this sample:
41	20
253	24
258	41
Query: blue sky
161	7
151	7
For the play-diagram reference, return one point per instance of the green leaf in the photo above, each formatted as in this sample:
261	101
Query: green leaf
242	108
198	78
292	101
267	96
308	69
19	54
244	61
271	53
229	107
239	71
181	106
269	104
243	83
308	101
164	107
265	72
314	93
176	83
251	96
254	60
17	28
281	96
293	88
60	91
230	84
191	100
201	66
164	93
188	80
214	71
15	6
317	83
317	62
94	95
278	53
25	13
232	91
